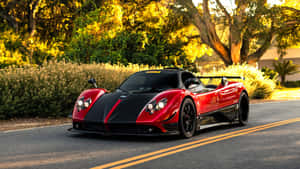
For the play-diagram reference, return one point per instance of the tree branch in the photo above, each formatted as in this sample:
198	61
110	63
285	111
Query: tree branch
255	56
10	20
290	9
245	48
12	4
194	37
205	26
223	9
210	31
31	17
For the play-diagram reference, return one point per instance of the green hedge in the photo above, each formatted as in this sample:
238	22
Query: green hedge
51	90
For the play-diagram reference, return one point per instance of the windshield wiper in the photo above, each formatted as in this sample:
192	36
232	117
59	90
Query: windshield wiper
148	90
123	90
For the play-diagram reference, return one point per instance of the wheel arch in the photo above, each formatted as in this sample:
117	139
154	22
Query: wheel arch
183	132
189	97
244	91
243	108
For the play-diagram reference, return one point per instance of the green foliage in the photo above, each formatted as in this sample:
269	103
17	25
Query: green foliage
10	61
257	85
51	90
99	31
20	50
51	20
125	47
9	58
284	68
130	32
269	73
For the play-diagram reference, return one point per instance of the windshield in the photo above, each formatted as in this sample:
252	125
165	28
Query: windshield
150	82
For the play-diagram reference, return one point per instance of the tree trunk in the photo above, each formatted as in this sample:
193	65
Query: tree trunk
241	36
282	80
236	32
207	30
32	9
236	45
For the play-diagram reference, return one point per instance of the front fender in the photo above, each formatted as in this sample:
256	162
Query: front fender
94	94
174	98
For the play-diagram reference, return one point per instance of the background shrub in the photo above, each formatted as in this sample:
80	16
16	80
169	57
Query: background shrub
51	90
269	73
257	85
292	84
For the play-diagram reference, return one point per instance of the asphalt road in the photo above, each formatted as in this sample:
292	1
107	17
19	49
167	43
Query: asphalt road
271	140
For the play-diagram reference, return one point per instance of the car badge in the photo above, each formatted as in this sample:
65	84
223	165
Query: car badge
123	96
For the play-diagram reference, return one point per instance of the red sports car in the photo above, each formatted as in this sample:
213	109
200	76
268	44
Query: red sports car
160	102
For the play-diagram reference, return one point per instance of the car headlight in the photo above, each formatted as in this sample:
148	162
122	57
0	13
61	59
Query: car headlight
161	104
87	103
153	106
81	104
150	106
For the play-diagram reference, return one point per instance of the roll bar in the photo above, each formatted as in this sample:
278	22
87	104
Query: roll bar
221	77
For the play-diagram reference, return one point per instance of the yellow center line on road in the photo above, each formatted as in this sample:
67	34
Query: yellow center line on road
167	151
178	146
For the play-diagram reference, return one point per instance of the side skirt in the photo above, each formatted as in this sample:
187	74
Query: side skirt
226	114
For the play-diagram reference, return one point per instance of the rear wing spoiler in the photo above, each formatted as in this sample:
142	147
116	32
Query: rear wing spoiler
221	77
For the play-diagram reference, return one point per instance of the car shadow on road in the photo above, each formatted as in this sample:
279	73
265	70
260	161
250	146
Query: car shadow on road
137	138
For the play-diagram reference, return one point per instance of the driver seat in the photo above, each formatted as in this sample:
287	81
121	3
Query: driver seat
194	85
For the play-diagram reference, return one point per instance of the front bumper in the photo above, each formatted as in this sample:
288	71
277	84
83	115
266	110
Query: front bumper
119	129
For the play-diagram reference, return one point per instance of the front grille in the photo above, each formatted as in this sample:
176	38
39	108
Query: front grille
93	127
133	129
117	128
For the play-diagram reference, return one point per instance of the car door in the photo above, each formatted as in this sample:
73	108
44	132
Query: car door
227	95
208	102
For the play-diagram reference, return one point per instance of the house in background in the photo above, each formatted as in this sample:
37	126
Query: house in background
271	55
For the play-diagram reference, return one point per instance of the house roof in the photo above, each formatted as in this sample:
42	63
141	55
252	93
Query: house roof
271	54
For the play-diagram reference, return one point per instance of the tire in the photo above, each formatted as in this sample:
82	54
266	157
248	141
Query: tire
187	119
243	109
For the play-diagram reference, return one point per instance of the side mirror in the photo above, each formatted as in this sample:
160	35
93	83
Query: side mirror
93	82
224	81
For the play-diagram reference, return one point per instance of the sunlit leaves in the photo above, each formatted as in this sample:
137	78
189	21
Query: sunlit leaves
30	50
137	32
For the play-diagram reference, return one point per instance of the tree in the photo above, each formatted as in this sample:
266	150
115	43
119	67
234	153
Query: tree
133	31
284	68
5	13
252	25
8	13
46	19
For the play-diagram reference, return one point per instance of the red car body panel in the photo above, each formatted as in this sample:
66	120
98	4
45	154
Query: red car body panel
94	94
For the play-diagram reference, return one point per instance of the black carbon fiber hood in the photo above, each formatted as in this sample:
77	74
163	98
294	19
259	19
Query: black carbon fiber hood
101	107
126	111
